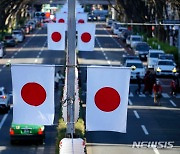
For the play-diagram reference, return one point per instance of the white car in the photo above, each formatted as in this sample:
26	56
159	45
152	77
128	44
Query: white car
153	56
2	49
120	29
116	28
4	100
134	39
136	67
165	68
18	35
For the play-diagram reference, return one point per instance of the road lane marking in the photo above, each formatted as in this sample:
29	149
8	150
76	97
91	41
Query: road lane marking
130	102
165	95
3	120
173	103
136	114
156	151
131	94
144	129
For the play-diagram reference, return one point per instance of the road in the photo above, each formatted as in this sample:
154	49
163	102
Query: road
146	122
32	50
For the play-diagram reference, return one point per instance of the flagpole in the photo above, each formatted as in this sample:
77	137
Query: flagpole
71	62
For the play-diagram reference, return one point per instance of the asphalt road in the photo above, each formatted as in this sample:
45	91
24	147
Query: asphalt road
146	123
33	50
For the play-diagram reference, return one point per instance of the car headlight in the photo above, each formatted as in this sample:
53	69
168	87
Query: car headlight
133	67
158	69
174	70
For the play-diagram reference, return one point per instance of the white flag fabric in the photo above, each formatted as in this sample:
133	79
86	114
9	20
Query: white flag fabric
56	36
107	98
81	18
33	94
86	36
61	17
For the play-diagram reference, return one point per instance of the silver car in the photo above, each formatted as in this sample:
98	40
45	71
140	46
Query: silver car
4	100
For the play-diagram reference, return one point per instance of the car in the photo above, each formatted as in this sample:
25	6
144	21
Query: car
141	49
2	49
165	68
153	56
4	100
124	34
168	57
136	67
101	18
116	28
134	39
9	41
92	17
26	29
27	132
18	35
129	57
109	23
120	30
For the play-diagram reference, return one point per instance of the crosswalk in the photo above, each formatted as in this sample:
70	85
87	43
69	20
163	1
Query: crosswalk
164	95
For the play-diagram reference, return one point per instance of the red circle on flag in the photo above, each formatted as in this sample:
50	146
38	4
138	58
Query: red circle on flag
86	37
61	20
56	36
107	99
33	94
80	21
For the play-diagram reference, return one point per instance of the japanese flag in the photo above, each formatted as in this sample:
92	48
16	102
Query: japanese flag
56	36
81	18
61	18
33	94
86	36
107	98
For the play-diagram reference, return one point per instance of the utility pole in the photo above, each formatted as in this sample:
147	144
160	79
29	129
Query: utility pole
71	62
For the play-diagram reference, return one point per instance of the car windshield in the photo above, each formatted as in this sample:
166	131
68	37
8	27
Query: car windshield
142	47
137	65
165	63
15	33
154	55
167	57
136	39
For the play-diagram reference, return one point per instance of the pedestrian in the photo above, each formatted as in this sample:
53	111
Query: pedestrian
146	82
173	86
157	89
152	81
139	80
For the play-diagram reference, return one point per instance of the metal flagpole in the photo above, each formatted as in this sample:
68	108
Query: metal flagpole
71	61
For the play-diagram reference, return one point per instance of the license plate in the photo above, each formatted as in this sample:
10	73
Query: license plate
26	131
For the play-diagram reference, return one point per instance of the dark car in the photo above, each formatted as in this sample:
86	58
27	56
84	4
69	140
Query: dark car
129	57
124	34
142	49
9	41
92	18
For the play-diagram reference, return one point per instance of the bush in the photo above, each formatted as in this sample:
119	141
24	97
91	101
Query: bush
61	129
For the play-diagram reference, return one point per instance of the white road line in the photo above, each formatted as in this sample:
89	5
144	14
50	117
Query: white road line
145	130
0	70
165	95
136	114
130	102
131	94
156	151
173	103
3	120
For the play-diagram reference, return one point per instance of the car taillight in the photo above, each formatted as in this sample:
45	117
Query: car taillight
40	131
3	97
11	132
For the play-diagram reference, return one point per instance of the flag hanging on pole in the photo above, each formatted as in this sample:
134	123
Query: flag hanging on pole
86	36
61	17
33	94
56	36
107	98
81	18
